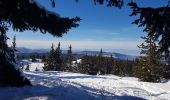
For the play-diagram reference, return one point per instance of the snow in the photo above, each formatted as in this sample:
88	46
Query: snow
33	65
55	85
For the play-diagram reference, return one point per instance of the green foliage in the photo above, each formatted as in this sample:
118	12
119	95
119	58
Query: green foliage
67	64
105	65
54	60
9	76
43	58
155	22
95	64
33	58
149	66
16	13
88	65
23	15
122	67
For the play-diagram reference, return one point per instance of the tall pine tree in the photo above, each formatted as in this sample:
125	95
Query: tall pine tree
10	74
49	62
100	63
68	60
58	58
149	66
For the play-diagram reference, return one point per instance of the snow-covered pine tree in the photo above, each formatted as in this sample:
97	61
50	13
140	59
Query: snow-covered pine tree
149	66
13	50
10	74
14	43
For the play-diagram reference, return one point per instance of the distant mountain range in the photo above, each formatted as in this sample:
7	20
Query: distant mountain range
22	50
107	54
27	50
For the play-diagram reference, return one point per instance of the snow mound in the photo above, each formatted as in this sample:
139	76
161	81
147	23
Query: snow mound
33	65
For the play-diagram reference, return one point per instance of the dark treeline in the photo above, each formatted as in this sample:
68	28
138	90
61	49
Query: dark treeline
93	65
151	67
105	65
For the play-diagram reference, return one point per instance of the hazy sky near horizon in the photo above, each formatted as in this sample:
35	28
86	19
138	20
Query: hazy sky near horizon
100	27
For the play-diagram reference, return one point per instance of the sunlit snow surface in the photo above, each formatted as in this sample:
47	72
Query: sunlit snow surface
74	86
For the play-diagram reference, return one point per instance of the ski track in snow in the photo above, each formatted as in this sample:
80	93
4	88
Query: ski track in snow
74	86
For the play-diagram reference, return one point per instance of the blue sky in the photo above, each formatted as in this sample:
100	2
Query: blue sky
101	27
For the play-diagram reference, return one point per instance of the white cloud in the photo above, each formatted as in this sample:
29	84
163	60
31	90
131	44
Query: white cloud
89	44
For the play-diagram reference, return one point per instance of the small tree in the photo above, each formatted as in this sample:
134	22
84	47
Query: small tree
149	66
27	67
166	69
13	50
100	63
68	60
43	58
36	69
33	58
110	64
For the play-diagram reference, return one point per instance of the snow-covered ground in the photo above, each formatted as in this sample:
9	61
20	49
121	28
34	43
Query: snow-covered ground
33	65
74	86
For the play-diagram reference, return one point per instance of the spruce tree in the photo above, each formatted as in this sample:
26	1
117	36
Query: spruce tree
58	58
43	58
13	49
10	73
49	63
68	60
129	67
33	58
54	60
149	66
84	64
110	64
36	69
100	63
166	69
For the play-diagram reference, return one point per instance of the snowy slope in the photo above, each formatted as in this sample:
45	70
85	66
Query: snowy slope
74	86
33	65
